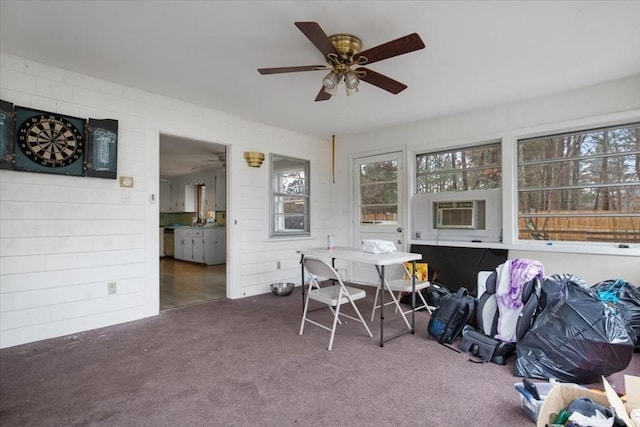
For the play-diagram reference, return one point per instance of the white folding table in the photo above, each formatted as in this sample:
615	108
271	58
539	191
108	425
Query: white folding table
377	260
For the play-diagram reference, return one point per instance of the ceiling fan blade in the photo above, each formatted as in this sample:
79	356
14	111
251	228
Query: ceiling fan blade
380	80
390	49
318	37
322	95
278	70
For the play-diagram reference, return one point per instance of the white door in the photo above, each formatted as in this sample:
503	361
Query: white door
379	195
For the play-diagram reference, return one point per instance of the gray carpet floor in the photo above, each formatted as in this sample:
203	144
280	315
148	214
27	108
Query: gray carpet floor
242	363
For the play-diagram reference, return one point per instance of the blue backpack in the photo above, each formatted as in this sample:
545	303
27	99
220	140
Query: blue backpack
453	313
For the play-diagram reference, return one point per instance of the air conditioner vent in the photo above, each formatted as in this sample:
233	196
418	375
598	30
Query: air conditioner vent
467	214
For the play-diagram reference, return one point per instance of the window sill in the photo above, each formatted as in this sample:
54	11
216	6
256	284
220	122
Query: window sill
288	238
568	247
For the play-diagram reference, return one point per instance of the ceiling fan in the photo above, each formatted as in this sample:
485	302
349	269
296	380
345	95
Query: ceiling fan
341	52
218	161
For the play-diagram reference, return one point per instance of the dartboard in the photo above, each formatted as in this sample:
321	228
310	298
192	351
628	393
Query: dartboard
50	140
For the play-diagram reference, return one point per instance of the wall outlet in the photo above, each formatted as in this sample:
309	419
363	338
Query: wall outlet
278	265
112	288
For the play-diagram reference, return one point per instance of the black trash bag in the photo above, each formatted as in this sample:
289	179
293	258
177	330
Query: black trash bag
627	301
554	285
576	339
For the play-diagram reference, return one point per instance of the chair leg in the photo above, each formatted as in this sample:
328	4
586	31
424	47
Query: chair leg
333	329
353	304
304	312
375	301
396	302
425	302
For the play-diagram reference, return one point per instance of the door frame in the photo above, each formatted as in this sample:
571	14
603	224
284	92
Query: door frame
403	199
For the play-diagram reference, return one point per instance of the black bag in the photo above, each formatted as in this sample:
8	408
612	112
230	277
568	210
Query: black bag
626	299
485	348
451	316
435	293
432	295
576	339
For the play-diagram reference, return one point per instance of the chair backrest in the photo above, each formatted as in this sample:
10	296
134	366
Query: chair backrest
320	268
487	312
421	273
487	309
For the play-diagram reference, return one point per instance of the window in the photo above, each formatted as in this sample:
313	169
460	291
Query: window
379	192
464	169
200	202
289	196
580	186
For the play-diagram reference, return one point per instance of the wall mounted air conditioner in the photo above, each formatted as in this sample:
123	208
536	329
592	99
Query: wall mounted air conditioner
457	216
463	214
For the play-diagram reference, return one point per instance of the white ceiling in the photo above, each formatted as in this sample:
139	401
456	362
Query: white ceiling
478	53
182	156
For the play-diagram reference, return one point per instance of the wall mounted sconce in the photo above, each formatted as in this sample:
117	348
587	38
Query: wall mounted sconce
254	158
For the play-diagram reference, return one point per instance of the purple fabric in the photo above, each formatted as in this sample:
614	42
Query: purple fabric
521	271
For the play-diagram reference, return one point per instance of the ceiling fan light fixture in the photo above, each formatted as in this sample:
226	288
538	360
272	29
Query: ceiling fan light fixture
351	91
351	80
331	80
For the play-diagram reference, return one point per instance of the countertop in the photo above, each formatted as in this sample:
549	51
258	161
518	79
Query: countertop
194	228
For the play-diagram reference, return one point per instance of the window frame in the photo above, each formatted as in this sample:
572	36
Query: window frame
275	211
554	132
493	143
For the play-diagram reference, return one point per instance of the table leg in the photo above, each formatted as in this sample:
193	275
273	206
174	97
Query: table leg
412	328
302	275
381	274
413	299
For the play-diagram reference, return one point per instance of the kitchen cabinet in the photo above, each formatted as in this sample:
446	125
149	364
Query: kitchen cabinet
215	248
221	190
176	196
202	245
182	245
185	197
197	240
161	242
189	244
188	200
165	196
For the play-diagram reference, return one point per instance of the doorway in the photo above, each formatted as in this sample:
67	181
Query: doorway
379	183
192	212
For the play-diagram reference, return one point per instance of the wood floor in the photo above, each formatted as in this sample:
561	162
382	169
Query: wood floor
184	283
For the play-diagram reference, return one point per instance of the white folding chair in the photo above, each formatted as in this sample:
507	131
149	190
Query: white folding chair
400	286
333	295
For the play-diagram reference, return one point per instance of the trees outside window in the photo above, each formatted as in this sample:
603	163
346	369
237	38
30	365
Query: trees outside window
379	192
464	169
289	196
580	186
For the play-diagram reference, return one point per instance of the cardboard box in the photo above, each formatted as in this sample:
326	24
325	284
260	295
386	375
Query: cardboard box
632	388
560	396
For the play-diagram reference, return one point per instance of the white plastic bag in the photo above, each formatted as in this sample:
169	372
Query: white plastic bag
378	246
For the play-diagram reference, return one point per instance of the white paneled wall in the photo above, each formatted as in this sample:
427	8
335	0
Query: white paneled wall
63	238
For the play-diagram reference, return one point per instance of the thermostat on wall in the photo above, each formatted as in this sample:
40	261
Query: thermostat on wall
126	181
